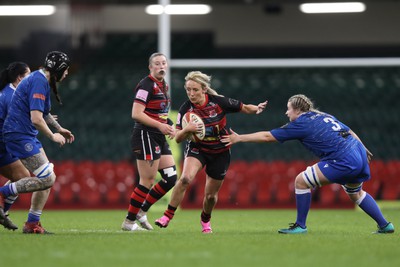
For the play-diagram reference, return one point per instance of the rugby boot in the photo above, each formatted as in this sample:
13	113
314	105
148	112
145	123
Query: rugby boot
35	228
128	225
294	228
387	229
8	224
163	221
206	227
142	219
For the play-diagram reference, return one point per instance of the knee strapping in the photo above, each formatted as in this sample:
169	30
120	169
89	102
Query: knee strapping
311	178
352	189
169	176
44	171
46	174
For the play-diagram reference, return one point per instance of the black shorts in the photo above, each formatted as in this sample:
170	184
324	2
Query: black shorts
149	146
216	164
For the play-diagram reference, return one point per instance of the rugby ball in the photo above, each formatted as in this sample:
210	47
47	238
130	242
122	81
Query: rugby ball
193	117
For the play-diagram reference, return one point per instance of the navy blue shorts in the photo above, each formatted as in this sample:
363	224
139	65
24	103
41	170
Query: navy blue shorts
6	157
352	168
25	148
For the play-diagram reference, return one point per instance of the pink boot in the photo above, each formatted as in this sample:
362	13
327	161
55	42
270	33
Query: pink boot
206	227
163	221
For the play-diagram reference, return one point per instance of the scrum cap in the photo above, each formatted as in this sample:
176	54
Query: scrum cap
56	62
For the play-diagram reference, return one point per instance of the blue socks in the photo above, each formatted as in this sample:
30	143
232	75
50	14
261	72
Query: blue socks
303	202
34	215
8	190
369	206
8	202
366	203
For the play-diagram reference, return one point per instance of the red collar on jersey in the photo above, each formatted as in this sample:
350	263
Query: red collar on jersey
204	104
159	84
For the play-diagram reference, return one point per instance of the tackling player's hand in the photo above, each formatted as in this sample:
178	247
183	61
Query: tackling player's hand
230	139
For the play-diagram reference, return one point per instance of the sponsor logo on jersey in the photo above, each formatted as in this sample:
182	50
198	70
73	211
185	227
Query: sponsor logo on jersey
326	165
39	96
233	101
164	106
195	150
158	150
142	95
211	138
163	116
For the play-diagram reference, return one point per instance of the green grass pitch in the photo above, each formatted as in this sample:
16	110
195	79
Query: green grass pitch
241	238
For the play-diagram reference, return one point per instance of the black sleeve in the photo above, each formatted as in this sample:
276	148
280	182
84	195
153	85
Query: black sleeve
143	92
229	105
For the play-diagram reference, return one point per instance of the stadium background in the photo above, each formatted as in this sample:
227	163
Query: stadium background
109	43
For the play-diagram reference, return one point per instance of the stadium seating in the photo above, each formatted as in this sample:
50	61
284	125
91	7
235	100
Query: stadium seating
258	184
390	181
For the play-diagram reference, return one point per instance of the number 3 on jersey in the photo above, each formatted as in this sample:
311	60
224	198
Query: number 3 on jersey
336	126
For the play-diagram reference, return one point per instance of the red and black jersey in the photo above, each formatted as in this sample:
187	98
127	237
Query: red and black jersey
154	95
213	113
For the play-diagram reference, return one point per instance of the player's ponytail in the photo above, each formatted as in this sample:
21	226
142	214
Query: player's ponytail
53	86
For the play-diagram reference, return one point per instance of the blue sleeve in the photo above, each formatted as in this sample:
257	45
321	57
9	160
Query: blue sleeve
39	96
291	131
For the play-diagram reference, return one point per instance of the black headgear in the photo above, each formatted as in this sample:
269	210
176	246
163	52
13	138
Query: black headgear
56	63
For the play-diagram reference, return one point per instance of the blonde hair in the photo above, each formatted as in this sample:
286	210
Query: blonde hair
203	79
302	103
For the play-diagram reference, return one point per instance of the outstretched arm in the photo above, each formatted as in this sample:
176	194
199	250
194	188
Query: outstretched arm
258	137
253	109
